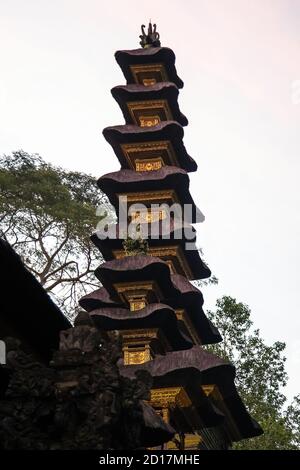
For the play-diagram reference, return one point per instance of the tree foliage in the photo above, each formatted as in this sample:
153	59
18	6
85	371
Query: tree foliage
47	214
261	376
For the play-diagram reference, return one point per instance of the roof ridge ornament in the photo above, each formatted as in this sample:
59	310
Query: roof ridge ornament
151	39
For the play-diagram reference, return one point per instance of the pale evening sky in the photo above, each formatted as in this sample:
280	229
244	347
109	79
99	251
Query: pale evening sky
240	62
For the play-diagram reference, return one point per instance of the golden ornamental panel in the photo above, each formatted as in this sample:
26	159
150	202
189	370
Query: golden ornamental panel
151	164
149	74
149	113
160	151
136	356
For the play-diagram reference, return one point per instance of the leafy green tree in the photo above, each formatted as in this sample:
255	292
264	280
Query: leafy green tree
47	214
261	376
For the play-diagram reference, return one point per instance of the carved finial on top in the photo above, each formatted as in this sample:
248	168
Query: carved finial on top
151	39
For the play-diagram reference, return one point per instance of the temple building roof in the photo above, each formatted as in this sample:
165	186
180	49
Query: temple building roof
214	372
138	65
26	310
188	300
145	106
155	315
195	358
152	182
132	143
135	269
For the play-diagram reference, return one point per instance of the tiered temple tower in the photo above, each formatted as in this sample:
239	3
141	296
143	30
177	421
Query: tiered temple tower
148	297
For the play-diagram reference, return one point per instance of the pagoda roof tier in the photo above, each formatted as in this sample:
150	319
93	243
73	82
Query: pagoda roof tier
198	412
188	298
146	106
191	300
155	315
174	245
139	65
173	363
99	298
139	268
134	145
135	185
217	381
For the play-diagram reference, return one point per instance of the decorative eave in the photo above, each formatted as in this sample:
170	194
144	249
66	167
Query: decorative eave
123	182
135	269
166	245
156	100
155	315
99	298
214	371
26	310
130	142
160	60
174	378
175	362
191	299
187	298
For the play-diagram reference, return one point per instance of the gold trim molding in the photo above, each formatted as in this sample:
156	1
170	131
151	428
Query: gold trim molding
158	151
172	255
146	291
169	397
149	74
149	113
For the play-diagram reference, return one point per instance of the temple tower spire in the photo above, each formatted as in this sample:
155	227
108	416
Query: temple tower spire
146	292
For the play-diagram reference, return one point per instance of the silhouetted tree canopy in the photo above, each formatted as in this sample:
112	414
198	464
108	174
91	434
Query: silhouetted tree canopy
261	376
48	214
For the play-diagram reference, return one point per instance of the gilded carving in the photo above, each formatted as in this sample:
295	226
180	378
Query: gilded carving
136	356
136	305
149	74
140	345
160	150
143	217
162	196
140	290
169	397
149	81
148	121
152	164
149	113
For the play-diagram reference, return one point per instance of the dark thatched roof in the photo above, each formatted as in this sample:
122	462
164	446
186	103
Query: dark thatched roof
168	177
164	131
26	310
150	55
154	315
160	91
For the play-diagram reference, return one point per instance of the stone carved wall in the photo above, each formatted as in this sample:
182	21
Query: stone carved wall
78	401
